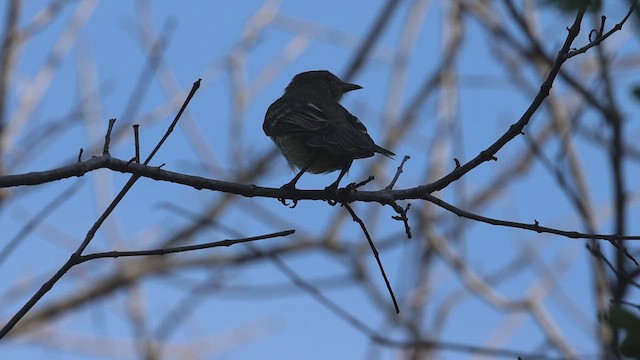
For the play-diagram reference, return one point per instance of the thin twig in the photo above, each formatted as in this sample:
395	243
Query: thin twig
600	37
195	88
179	249
107	137
398	172
533	227
620	275
402	216
136	139
375	254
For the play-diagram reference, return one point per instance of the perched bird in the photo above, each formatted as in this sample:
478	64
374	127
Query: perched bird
314	132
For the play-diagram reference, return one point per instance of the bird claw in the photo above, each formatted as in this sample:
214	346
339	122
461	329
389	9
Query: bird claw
283	201
332	191
291	205
288	204
340	195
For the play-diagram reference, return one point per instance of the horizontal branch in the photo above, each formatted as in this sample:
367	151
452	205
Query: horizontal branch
532	227
384	196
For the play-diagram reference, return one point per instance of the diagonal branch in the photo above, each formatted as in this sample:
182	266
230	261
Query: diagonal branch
355	218
516	129
46	287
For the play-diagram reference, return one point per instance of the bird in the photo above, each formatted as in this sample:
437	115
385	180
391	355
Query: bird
314	132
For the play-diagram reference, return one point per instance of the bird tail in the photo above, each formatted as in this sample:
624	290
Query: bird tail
383	151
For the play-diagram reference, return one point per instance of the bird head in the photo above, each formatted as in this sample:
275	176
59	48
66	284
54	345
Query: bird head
322	81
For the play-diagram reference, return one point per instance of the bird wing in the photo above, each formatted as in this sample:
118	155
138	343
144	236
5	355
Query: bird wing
348	137
332	128
295	117
355	122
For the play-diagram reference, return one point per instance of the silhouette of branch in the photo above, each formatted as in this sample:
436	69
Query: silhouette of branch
46	287
375	254
600	36
386	197
179	249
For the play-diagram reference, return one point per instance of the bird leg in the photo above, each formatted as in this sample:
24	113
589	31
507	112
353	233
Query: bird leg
291	185
333	188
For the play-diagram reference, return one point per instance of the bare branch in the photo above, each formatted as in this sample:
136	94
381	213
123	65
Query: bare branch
375	254
179	249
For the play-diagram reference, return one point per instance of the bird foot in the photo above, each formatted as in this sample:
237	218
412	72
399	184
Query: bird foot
336	195
291	186
332	194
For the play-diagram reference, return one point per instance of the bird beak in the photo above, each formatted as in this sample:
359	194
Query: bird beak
349	87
